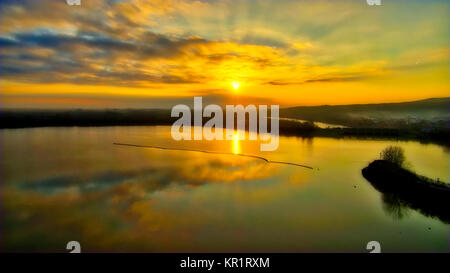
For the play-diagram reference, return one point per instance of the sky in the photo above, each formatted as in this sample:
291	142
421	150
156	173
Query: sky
157	53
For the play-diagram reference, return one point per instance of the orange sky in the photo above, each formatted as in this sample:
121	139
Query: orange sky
113	54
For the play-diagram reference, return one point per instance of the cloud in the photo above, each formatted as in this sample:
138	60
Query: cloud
262	40
46	56
320	80
89	58
176	46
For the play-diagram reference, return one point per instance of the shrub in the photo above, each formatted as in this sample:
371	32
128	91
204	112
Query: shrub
393	154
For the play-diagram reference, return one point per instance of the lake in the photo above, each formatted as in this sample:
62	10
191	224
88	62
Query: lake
64	184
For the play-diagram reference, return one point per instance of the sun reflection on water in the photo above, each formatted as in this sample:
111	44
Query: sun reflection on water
236	144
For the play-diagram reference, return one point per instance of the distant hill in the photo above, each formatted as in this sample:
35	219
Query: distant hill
429	112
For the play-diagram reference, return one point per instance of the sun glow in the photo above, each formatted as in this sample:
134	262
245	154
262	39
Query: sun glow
235	85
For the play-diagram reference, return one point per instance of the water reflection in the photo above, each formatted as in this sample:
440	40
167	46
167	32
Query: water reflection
399	207
63	184
236	145
394	206
115	206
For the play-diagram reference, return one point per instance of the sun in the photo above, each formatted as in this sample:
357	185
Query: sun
235	85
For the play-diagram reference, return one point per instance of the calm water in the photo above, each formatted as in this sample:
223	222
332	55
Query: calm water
64	184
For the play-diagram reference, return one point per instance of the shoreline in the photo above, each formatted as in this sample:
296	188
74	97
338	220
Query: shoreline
439	137
401	188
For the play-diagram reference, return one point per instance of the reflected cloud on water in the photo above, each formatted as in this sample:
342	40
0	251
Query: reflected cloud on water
64	184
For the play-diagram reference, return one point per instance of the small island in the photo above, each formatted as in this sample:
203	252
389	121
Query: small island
403	188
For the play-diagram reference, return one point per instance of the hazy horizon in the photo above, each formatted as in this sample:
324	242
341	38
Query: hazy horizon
168	104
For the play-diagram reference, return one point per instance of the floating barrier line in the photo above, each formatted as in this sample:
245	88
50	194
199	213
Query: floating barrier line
213	152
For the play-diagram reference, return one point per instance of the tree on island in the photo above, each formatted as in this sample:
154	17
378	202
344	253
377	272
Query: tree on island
393	154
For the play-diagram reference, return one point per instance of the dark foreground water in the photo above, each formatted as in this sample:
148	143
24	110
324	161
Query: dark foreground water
64	184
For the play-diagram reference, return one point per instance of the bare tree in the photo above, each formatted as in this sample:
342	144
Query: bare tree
393	154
